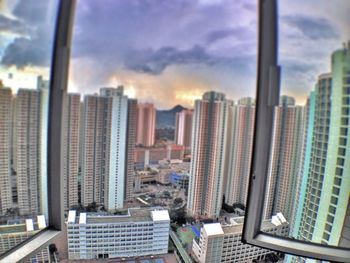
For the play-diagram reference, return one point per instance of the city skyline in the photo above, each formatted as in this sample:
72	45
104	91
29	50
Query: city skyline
219	126
137	180
186	61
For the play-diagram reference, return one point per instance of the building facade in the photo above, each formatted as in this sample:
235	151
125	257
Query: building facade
145	156
70	143
183	127
130	151
136	232
107	145
27	150
240	152
286	150
325	186
179	180
222	243
212	122
114	183
94	163
5	149
146	124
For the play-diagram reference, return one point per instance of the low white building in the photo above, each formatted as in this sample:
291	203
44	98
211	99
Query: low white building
222	243
136	232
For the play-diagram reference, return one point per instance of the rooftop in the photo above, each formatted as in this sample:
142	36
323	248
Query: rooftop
16	229
130	215
29	225
213	229
236	225
160	215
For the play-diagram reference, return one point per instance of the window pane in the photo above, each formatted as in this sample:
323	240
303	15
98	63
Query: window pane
164	94
309	162
26	41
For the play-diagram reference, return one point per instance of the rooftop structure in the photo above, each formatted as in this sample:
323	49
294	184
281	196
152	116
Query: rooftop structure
130	233
222	242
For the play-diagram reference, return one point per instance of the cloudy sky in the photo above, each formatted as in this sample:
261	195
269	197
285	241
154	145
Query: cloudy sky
171	52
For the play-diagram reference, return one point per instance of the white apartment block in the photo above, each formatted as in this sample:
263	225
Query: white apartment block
135	232
108	133
222	243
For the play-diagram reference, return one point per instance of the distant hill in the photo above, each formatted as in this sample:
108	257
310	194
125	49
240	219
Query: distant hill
166	118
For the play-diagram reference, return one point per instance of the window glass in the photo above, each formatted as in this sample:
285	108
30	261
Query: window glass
308	179
164	94
26	42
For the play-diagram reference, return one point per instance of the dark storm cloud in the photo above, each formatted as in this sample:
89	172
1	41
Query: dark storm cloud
154	38
298	66
242	33
33	12
315	28
11	25
35	27
124	26
27	52
154	62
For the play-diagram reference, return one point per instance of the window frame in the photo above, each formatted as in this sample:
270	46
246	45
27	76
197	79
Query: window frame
267	98
58	89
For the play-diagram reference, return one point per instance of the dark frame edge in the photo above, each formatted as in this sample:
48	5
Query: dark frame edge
267	97
58	88
30	246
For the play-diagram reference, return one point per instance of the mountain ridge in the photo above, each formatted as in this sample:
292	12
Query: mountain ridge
166	118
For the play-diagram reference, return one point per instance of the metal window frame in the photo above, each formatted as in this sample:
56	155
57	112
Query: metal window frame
267	98
58	88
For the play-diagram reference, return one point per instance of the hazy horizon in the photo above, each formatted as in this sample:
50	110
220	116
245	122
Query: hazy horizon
170	53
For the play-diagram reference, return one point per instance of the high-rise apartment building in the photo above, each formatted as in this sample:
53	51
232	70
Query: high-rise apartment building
183	127
344	240
240	152
145	124
284	165
212	121
325	186
5	149
70	143
130	151
219	243
27	150
316	152
105	162
114	182
308	117
94	163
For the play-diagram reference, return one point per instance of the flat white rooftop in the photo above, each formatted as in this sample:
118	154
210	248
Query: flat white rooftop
127	215
160	215
213	229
